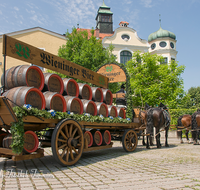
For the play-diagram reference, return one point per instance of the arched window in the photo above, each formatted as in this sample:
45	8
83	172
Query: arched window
125	56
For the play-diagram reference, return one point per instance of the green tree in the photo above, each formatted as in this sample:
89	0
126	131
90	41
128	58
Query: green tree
85	49
192	98
152	82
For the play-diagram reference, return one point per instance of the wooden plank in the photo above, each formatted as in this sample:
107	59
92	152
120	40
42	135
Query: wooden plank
25	52
7	115
98	147
34	155
8	151
33	119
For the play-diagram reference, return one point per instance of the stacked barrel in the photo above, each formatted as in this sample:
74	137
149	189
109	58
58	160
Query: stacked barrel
26	84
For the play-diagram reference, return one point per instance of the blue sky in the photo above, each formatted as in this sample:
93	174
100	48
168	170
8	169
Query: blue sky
178	16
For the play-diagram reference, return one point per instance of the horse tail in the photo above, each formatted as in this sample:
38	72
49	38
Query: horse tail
194	126
149	128
179	123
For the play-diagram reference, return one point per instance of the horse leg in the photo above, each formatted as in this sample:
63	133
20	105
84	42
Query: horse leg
147	145
143	141
166	137
181	137
186	134
158	138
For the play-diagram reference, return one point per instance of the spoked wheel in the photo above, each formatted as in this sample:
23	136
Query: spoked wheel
67	142
129	140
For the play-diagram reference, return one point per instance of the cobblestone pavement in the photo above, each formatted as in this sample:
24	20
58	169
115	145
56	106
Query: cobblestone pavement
175	167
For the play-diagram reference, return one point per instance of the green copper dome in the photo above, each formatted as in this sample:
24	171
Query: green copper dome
104	9
161	34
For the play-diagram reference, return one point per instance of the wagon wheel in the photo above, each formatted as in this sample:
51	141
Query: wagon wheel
67	142
129	140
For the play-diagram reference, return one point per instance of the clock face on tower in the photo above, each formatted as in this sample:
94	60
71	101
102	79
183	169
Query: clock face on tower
153	46
172	45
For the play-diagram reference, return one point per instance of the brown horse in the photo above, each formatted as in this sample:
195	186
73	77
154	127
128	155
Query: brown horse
196	126
184	121
160	119
143	120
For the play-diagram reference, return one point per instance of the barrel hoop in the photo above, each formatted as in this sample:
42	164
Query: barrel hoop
15	78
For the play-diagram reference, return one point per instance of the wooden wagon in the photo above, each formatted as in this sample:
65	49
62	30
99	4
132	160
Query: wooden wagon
67	139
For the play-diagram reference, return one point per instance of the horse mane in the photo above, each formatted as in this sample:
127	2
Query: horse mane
179	123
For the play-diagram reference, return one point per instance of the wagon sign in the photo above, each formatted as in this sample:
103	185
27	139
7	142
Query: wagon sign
25	52
114	72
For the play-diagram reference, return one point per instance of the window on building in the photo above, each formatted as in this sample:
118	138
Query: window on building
165	61
105	18
125	56
172	59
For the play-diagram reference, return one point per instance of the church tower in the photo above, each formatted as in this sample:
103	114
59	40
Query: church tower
163	42
104	22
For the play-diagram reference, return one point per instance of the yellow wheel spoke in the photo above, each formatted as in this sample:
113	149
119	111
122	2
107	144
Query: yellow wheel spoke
67	155
70	130
64	152
71	154
66	131
77	137
61	140
64	136
75	150
61	147
74	132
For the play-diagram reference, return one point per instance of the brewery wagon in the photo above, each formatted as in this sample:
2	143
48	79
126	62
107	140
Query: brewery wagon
67	135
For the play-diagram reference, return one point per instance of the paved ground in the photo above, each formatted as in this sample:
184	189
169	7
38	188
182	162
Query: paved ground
175	167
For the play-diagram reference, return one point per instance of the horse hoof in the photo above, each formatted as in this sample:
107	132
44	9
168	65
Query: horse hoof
181	141
166	145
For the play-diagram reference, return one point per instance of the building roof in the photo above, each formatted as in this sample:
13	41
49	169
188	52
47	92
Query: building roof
96	33
104	9
161	33
33	30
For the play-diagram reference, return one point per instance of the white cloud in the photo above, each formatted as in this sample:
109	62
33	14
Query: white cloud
147	3
16	8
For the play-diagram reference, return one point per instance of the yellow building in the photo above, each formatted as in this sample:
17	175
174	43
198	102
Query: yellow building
39	37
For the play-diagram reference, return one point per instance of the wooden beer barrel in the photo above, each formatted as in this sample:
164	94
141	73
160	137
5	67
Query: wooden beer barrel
89	107
26	95
112	111
89	137
106	136
31	142
102	109
53	83
121	112
71	87
97	137
97	94
74	104
2	135
55	101
107	96
24	75
85	91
